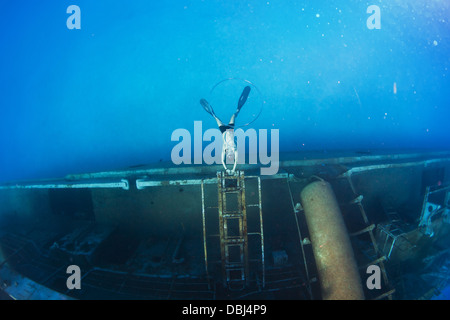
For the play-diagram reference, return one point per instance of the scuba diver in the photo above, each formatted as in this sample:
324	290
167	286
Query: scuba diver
229	151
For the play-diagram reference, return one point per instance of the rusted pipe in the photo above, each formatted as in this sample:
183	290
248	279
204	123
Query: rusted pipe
336	265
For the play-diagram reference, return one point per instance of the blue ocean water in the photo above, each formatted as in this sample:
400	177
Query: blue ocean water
110	94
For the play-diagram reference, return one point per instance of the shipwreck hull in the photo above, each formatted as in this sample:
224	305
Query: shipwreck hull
177	232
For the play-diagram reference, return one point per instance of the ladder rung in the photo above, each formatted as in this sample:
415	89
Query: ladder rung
231	190
376	261
252	205
366	229
231	241
227	177
230	211
236	280
230	214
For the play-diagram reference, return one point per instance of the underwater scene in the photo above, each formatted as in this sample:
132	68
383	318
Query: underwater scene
210	150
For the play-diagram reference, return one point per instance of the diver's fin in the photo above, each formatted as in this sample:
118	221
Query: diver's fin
207	106
243	97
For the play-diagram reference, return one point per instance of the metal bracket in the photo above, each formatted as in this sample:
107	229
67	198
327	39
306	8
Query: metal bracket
430	209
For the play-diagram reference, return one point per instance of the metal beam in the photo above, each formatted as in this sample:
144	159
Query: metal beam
123	183
390	166
145	183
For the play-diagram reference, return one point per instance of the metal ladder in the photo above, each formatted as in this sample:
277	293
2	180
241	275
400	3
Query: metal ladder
379	257
233	234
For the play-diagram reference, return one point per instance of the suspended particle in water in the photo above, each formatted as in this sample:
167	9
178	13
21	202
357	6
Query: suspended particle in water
395	88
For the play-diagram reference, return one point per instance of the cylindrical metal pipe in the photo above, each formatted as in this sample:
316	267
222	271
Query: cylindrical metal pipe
338	273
